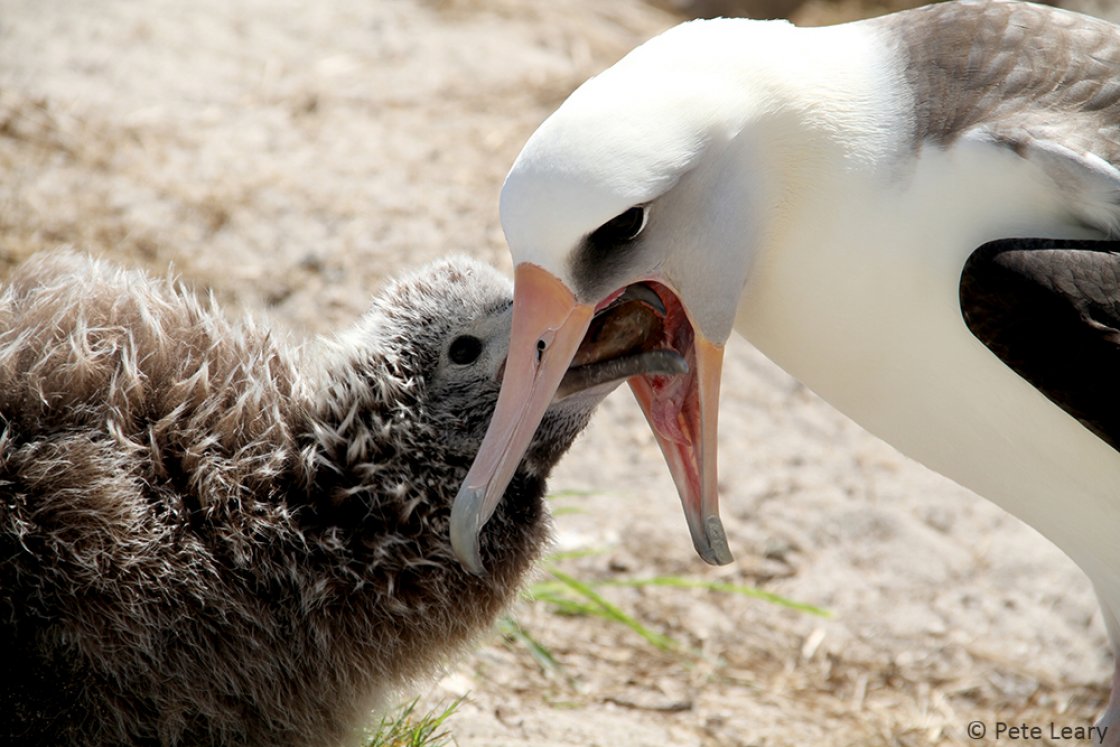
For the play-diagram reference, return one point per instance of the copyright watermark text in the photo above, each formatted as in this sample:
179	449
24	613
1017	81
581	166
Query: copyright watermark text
1004	731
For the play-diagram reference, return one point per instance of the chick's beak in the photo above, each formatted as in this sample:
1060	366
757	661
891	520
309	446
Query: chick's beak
548	325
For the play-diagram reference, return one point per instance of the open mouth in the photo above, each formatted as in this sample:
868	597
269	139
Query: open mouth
628	337
642	330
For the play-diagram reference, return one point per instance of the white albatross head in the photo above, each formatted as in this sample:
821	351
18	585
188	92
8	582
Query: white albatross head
638	183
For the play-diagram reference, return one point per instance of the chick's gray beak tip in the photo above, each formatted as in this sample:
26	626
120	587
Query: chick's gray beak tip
465	528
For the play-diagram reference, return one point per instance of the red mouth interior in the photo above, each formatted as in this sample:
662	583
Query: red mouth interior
674	396
627	322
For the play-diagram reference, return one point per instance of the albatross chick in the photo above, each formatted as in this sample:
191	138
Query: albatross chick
211	537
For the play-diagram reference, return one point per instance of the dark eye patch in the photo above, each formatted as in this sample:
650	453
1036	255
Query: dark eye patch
606	251
620	229
464	349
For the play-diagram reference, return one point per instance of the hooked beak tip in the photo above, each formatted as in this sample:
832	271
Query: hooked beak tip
465	528
714	550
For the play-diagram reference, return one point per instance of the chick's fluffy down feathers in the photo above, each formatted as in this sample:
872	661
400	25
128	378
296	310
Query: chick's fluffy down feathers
209	536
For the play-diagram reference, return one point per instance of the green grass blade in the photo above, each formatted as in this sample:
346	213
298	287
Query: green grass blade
558	511
404	729
722	587
600	607
570	494
589	552
575	608
512	630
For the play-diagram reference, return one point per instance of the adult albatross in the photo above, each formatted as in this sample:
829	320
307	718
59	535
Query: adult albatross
833	194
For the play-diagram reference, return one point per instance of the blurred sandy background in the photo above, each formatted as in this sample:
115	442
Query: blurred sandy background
290	156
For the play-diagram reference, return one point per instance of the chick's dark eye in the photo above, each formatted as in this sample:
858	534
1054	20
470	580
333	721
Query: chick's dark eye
464	349
622	228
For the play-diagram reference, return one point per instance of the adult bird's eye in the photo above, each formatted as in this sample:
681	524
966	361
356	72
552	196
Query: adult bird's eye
464	349
622	228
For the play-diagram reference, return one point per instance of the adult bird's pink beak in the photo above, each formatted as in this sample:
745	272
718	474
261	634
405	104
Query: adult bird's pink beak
548	326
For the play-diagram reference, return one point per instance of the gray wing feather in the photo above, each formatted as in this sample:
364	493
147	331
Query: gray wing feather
1092	183
1041	81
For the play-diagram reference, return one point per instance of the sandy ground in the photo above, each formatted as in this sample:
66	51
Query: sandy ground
289	156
